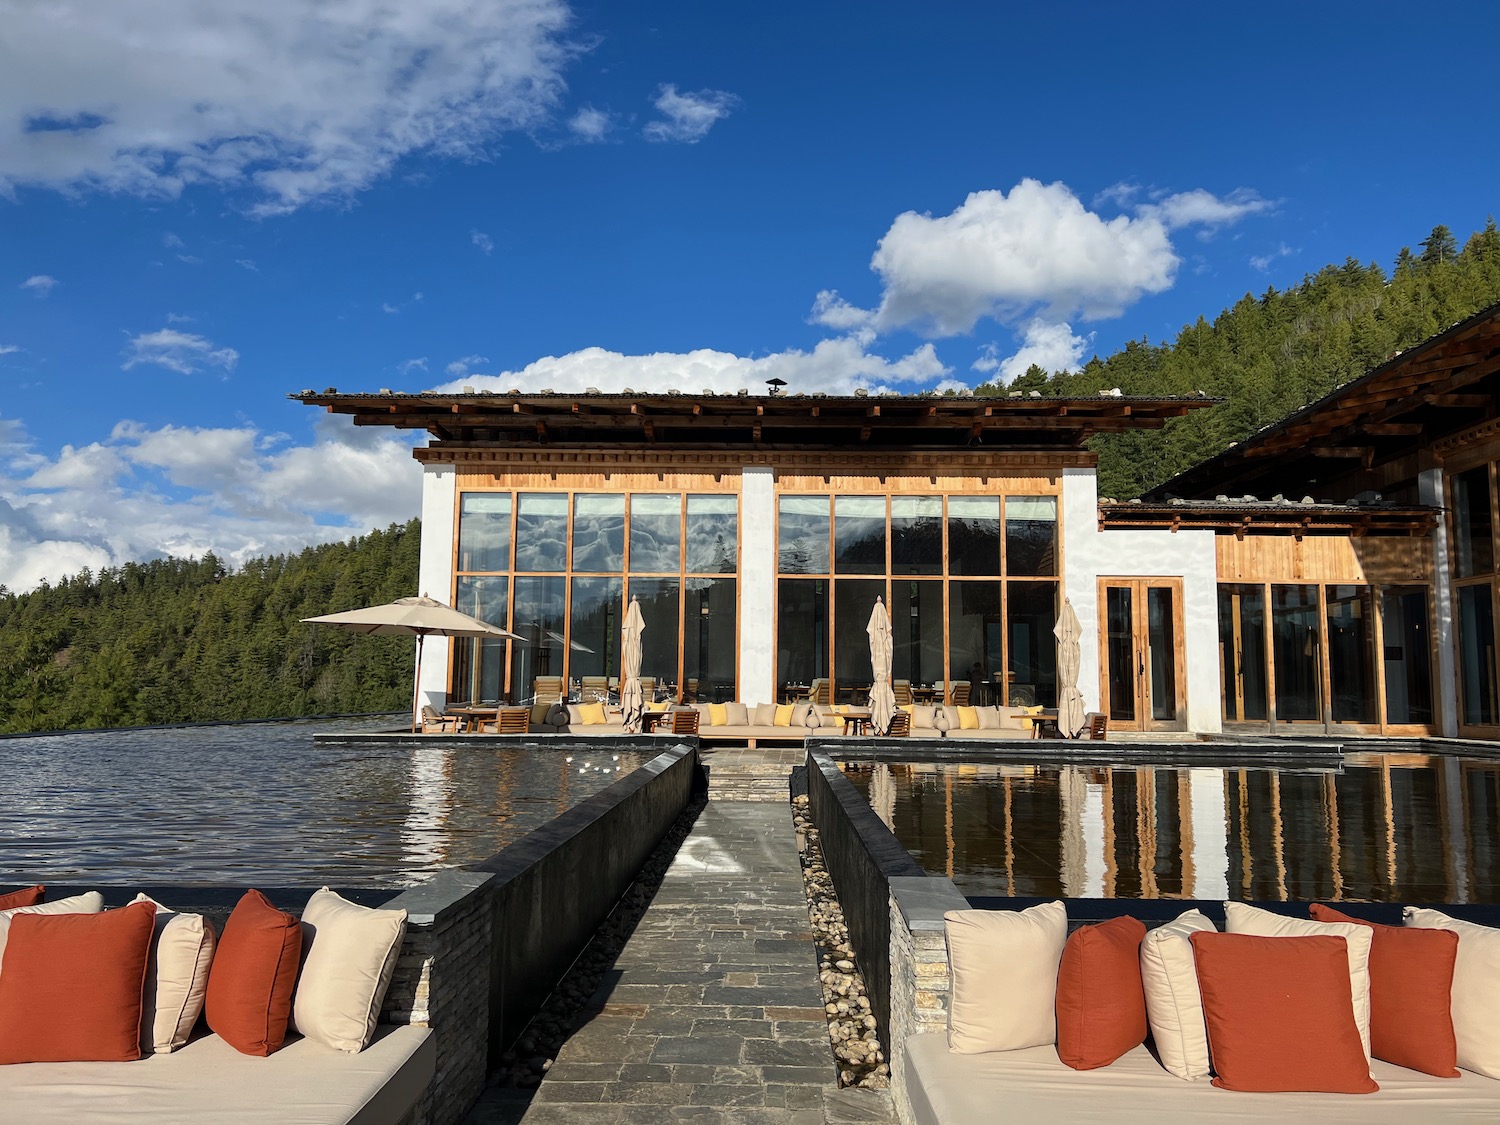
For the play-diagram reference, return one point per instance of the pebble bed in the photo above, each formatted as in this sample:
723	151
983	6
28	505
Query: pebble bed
852	1028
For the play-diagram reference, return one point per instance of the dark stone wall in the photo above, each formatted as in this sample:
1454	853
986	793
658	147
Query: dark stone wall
862	856
554	887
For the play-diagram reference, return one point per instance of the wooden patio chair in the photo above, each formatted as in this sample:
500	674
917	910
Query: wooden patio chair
685	721
547	689
902	691
1097	724
900	725
961	693
434	722
509	720
817	692
595	689
691	694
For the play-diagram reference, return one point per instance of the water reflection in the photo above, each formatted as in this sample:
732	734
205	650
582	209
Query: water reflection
261	804
1386	827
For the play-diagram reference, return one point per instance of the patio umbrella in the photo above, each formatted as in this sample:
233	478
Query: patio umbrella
1069	698
632	698
418	617
882	698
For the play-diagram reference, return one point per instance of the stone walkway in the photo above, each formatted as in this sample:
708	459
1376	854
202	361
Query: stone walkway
712	1012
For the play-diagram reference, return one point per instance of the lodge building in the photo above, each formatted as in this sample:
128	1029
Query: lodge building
1333	573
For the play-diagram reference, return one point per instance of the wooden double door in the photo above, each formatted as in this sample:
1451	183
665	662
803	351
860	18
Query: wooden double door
1141	676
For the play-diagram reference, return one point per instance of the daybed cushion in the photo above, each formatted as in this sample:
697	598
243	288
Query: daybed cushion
348	954
26	896
1174	1005
1004	966
1476	988
90	902
250	983
182	952
304	1082
1034	1085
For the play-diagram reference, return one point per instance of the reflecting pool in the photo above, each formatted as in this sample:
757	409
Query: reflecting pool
1385	828
260	803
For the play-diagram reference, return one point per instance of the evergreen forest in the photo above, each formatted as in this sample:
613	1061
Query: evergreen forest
176	640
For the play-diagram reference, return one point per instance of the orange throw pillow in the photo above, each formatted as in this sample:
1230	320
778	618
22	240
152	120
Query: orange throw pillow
1280	1014
254	972
71	986
29	896
1411	994
1101	1005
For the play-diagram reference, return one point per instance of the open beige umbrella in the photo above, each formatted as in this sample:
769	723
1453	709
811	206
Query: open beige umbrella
1069	698
418	617
632	698
882	698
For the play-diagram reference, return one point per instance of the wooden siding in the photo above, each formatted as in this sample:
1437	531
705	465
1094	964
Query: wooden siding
1376	560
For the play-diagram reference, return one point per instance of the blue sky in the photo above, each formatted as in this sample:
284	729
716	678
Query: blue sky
204	207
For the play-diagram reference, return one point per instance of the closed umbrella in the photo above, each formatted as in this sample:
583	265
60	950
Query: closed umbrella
882	698
418	617
632	698
1069	698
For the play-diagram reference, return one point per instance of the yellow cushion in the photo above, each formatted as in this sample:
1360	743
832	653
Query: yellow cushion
837	708
718	714
1037	710
592	714
909	708
784	714
659	708
968	718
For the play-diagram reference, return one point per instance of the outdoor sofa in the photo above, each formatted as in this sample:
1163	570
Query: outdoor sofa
989	1065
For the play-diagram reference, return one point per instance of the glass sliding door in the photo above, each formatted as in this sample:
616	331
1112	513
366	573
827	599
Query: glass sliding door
1408	655
917	631
479	665
1242	652
1140	634
801	633
976	644
540	619
1351	654
853	600
1031	644
708	654
1296	644
660	600
1476	656
594	641
1161	618
1121	665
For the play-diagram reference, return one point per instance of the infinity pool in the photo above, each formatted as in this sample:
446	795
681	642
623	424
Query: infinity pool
259	803
1385	827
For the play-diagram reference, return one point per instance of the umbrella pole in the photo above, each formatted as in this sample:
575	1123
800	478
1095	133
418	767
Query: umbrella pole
416	685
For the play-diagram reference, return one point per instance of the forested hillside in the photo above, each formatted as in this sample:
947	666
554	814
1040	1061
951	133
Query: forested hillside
1272	354
176	640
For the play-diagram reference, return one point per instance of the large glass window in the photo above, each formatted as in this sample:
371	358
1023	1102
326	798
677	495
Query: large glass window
479	665
916	535
917	631
801	633
599	533
540	620
859	534
1242	651
712	534
1408	655
594	642
1295	645
655	533
803	530
1351	657
708	649
484	531
1032	613
1476	653
853	602
976	645
542	531
1473	531
660	601
974	535
1030	535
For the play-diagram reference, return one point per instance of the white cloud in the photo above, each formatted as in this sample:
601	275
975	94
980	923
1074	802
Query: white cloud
172	241
146	493
247	264
40	284
182	352
689	116
1048	344
836	366
590	124
832	311
1262	262
292	100
178	318
461	365
1203	208
6	349
407	366
484	242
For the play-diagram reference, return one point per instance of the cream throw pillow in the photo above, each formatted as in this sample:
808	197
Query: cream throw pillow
1174	1006
1476	989
922	717
737	714
800	712
91	902
1242	919
182	951
765	715
348	955
989	718
1004	965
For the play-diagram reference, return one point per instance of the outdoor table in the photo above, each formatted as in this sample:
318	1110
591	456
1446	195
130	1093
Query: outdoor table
1044	725
469	716
650	720
924	694
856	722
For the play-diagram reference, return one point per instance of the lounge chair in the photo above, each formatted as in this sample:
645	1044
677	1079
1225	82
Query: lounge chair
595	689
434	722
685	721
900	725
961	693
818	691
902	691
508	720
547	689
1097	725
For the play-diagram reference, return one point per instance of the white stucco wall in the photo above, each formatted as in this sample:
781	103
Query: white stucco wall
435	573
757	585
1089	554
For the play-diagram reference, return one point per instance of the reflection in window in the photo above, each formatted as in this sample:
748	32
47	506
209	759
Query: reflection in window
708	649
1032	609
802	530
655	533
660	601
1476	654
859	534
712	534
976	647
1242	651
599	533
1351	664
801	632
973	536
916	535
1408	654
478	665
1294	647
594	643
917	631
1030	535
853	602
539	620
1473	538
542	532
484	531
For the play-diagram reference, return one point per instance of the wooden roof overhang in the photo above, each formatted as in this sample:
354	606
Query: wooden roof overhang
1294	519
1415	403
755	422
